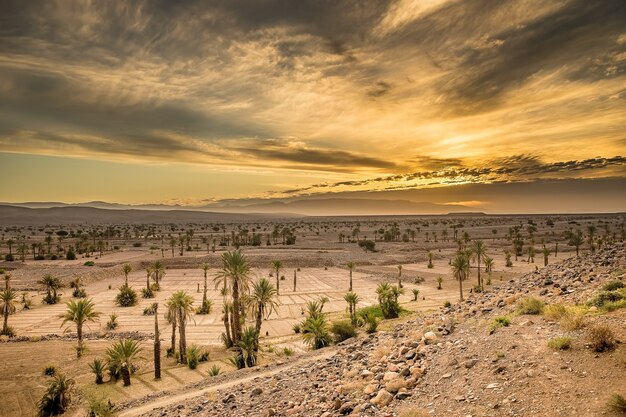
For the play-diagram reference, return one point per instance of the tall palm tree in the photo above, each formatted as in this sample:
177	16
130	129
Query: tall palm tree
460	270
121	357
159	271
576	240
352	299
7	281
262	302
126	268
399	276
8	297
205	269
149	272
80	312
350	268
183	303
479	251
235	277
277	265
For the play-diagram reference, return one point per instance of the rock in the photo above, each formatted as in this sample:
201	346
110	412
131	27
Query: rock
229	398
347	408
370	389
382	399
403	395
430	338
493	385
256	391
470	363
390	376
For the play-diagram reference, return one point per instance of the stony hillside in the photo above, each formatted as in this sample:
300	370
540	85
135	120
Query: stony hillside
482	357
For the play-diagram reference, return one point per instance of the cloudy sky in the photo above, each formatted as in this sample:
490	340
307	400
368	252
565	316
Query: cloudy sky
193	101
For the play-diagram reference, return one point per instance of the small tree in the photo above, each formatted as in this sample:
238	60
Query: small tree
121	357
126	269
352	299
80	312
8	298
58	396
416	292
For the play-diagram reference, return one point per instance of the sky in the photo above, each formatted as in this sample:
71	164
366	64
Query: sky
192	102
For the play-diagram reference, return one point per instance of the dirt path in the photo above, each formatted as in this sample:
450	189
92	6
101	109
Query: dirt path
185	393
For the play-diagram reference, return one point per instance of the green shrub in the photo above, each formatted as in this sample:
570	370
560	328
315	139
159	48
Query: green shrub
112	323
9	257
89	263
296	328
447	304
614	305
147	293
100	407
374	311
560	343
530	305
58	396
79	293
214	370
205	308
287	351
342	330
617	403
315	332
554	311
149	311
137	245
127	297
193	356
8	331
497	322
50	370
98	367
613	285
70	255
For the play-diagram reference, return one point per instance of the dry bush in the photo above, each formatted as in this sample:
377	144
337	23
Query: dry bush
555	311
380	352
530	305
601	337
573	321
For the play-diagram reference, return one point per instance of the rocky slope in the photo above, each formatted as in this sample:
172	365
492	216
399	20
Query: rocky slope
448	363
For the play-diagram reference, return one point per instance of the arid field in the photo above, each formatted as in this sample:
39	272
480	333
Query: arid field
318	255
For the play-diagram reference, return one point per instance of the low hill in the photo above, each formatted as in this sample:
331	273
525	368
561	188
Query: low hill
23	216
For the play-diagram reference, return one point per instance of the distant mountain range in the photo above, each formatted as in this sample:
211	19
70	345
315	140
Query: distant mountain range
275	207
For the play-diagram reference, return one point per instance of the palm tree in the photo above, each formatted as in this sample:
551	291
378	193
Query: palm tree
277	265
315	332
235	277
8	298
576	240
183	303
51	285
159	271
591	231
126	268
399	276
80	312
352	299
249	345
460	270
157	343
205	268
262	302
58	396
121	357
149	272
350	268
7	281
479	252
546	254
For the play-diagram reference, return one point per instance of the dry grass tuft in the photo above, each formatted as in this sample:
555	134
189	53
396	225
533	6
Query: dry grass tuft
560	343
617	403
601	337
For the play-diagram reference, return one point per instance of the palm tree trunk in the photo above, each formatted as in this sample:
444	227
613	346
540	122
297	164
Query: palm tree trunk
259	320
294	280
182	343
126	376
204	300
173	347
157	347
350	280
5	325
480	282
79	334
461	287
236	312
229	340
